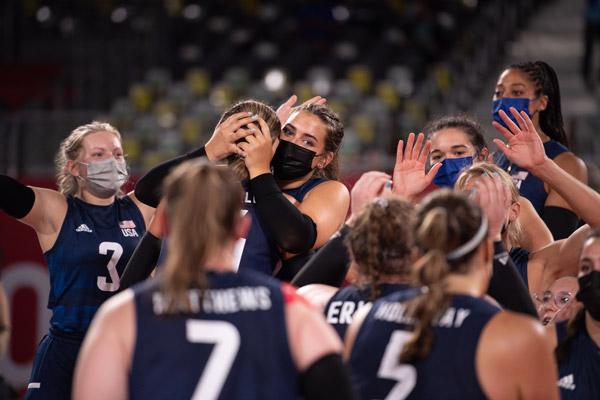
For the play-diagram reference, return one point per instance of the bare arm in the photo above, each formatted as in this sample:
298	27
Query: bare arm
535	232
515	360
103	364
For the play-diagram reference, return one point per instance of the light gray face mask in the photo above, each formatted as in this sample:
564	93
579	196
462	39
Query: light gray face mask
105	178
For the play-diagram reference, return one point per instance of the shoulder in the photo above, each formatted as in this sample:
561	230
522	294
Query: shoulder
573	165
318	294
509	334
328	189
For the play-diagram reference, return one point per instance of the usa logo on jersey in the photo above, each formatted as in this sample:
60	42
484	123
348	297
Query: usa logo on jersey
128	228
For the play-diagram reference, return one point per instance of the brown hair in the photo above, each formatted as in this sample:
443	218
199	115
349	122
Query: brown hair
70	148
445	221
334	130
465	122
513	229
200	223
381	240
235	161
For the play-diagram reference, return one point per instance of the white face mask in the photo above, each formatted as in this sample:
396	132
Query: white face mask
105	178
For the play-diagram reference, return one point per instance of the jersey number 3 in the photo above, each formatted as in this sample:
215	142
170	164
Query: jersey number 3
112	266
226	338
404	374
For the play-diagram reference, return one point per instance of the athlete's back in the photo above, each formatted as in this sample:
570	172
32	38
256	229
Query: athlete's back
235	347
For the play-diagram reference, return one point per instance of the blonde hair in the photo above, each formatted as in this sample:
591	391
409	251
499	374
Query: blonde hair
70	148
235	161
202	205
381	240
513	229
445	221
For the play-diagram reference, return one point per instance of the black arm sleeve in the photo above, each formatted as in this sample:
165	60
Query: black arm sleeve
327	379
560	221
292	231
16	199
507	286
329	266
147	188
142	261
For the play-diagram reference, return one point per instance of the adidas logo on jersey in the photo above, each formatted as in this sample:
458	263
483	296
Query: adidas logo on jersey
566	382
83	228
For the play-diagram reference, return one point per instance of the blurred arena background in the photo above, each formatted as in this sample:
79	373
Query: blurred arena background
162	71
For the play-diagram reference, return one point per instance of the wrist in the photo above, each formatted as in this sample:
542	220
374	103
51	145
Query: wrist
258	170
213	153
540	168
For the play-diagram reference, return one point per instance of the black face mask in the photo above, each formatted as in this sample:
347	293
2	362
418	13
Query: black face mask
589	293
291	161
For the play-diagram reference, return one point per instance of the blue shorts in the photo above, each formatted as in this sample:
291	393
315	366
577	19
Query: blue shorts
53	366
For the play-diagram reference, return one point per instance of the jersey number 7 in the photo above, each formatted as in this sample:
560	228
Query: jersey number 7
226	339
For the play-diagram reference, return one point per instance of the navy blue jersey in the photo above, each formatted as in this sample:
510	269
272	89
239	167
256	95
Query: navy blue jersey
90	253
520	257
530	186
236	348
260	252
448	372
346	301
579	378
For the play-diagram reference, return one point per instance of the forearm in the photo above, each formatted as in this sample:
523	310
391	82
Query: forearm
147	188
292	231
583	200
142	261
329	266
16	199
507	286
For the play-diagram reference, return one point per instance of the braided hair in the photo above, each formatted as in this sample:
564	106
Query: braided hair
546	81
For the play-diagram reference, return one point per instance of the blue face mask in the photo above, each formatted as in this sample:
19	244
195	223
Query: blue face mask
448	173
505	103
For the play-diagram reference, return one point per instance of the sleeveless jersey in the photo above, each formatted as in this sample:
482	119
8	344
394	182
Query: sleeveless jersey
346	301
260	253
530	186
448	372
579	378
90	253
237	348
520	257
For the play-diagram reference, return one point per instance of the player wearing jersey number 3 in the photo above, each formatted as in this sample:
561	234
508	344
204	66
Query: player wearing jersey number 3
200	330
87	231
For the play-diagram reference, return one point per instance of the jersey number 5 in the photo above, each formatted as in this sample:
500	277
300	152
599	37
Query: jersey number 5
226	339
390	368
111	266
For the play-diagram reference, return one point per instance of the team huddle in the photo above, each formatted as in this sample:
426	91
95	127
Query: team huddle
245	269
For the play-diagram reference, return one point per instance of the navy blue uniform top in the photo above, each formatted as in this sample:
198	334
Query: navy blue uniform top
346	301
260	253
530	186
90	253
448	372
237	348
579	378
520	257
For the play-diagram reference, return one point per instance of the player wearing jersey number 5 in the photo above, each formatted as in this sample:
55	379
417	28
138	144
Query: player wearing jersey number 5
448	342
200	330
87	231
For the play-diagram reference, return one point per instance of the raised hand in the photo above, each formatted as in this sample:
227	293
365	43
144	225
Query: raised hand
258	148
525	148
370	185
409	176
494	199
286	109
223	141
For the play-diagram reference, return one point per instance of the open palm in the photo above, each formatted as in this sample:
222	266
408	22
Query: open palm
525	148
409	176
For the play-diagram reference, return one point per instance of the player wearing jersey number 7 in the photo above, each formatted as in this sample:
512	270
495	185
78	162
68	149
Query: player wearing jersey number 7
200	330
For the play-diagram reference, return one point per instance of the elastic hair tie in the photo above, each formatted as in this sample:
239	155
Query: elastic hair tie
472	243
